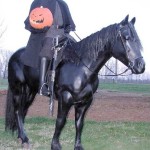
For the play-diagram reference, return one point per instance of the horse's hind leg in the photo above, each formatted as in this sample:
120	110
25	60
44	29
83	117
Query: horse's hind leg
14	113
63	109
22	103
20	119
80	110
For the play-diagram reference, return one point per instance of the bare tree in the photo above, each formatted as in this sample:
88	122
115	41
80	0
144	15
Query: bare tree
106	70
1	65
5	56
3	28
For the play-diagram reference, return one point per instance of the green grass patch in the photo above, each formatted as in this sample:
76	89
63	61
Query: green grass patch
119	87
3	84
96	135
124	87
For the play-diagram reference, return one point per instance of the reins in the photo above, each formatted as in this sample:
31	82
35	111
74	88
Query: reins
114	74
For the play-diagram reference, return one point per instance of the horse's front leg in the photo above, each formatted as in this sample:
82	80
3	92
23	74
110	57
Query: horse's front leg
64	105
80	110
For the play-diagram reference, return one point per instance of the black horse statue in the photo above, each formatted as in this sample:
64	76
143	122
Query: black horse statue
76	77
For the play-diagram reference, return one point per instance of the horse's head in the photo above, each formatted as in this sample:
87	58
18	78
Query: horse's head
127	47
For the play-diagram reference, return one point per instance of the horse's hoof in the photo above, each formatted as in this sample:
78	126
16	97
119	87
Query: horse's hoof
26	146
79	148
55	146
20	141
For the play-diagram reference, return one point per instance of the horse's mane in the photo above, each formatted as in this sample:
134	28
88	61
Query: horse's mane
90	46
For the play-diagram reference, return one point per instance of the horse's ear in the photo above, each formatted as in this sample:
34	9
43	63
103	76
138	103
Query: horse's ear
133	20
125	21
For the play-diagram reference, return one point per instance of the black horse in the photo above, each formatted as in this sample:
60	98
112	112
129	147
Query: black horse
76	77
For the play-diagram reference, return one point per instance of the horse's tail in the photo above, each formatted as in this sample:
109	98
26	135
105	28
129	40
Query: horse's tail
10	120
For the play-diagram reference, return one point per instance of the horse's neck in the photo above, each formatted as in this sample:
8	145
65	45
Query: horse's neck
95	66
96	49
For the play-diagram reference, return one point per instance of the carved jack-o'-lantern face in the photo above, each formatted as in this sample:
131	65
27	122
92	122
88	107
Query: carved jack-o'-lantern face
40	17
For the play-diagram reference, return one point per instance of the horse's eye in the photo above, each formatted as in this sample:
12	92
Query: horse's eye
128	50
127	37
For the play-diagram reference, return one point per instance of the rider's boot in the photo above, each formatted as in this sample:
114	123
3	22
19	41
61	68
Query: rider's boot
43	86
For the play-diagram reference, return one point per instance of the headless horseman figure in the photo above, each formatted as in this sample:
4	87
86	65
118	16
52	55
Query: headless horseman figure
39	50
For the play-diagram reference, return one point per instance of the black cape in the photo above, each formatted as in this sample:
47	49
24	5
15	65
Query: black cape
51	4
31	56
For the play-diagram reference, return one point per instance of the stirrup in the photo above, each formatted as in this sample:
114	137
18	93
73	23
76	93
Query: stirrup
44	90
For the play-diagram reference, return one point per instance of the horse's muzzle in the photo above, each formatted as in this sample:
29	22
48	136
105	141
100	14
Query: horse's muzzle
139	66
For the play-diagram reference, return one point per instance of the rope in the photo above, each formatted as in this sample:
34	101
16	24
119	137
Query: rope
77	35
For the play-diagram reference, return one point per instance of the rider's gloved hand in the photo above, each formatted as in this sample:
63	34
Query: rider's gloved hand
68	29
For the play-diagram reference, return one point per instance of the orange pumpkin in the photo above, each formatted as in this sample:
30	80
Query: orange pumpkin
40	17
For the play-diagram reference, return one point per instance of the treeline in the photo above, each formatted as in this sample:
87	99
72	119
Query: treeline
101	80
4	58
107	73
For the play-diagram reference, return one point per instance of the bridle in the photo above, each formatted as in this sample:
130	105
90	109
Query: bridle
127	50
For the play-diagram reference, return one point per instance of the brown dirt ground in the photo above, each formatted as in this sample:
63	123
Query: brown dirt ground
107	106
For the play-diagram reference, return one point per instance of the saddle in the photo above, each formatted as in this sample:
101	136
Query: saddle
63	42
59	47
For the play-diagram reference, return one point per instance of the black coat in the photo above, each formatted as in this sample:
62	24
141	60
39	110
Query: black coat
40	41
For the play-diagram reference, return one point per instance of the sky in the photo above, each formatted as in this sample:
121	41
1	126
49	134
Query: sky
89	17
